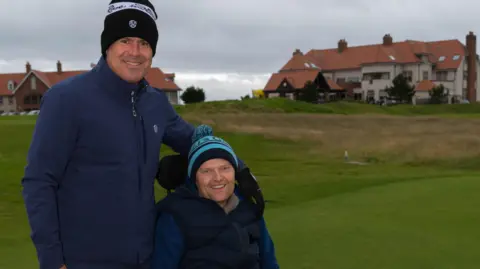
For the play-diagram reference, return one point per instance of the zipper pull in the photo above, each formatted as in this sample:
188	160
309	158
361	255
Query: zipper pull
134	112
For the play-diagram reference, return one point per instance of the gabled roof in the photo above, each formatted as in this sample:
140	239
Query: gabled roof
403	52
425	85
155	77
5	78
296	78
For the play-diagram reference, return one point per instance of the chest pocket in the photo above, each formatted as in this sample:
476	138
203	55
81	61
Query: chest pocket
152	129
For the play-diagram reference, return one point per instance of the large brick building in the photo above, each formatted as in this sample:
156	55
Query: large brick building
23	91
363	72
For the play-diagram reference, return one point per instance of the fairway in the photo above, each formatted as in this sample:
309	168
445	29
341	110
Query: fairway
408	207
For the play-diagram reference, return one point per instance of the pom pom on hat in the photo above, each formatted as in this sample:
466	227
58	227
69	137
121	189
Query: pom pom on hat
201	131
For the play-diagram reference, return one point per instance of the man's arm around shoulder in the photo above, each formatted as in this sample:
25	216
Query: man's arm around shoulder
178	132
52	142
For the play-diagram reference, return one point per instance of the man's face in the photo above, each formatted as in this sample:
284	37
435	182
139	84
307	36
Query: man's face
216	180
130	58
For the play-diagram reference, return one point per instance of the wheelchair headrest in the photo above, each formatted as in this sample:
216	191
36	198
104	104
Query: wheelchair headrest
172	171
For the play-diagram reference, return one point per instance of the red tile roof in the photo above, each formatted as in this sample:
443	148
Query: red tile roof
5	78
296	78
155	77
299	62
425	85
399	52
333	85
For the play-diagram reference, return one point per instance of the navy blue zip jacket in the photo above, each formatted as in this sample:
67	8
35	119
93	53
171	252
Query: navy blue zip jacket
185	221
88	183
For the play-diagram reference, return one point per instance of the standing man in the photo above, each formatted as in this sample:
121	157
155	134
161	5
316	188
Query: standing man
88	183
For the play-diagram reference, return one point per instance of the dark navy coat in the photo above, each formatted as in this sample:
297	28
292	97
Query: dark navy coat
88	183
194	232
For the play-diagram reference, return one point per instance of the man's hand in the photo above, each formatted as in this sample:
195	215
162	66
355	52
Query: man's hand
63	267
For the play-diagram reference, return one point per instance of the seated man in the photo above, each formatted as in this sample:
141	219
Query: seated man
207	222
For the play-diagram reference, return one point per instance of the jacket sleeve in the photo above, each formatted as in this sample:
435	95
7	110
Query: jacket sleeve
168	248
52	142
178	132
267	249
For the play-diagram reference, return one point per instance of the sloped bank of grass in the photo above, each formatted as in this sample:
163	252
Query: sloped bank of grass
283	105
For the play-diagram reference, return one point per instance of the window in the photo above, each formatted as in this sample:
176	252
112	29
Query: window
376	76
442	75
408	75
11	85
392	58
10	100
425	75
456	57
441	59
1	100
307	65
33	83
341	80
353	79
32	99
313	65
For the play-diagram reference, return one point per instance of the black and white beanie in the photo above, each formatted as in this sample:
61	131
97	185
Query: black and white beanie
130	18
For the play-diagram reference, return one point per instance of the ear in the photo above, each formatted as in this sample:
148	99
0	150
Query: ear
172	171
249	189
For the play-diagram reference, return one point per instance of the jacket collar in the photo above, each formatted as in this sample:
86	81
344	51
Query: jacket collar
111	82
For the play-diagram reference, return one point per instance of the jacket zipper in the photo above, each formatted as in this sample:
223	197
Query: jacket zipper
134	113
144	138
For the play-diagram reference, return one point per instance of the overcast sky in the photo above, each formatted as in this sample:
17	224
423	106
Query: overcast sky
227	47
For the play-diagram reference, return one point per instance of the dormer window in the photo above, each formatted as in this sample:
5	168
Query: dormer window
441	59
456	57
307	65
391	57
11	85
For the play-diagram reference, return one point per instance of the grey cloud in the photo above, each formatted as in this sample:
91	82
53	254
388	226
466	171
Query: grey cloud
212	36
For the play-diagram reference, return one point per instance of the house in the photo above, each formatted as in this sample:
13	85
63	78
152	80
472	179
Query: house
23	91
363	72
291	78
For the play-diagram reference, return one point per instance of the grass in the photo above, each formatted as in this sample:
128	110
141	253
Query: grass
412	206
283	105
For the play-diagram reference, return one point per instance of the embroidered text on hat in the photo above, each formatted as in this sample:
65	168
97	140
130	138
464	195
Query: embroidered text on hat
116	7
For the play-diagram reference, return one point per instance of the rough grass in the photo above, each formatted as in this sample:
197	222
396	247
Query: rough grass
365	137
413	206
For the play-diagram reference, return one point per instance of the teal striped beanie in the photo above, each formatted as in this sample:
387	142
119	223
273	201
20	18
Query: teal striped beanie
206	147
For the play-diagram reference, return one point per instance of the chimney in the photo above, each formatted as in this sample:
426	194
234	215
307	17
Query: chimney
59	67
28	67
342	45
297	52
387	40
170	76
471	67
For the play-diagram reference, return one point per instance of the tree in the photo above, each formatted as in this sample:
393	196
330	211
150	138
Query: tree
309	93
438	95
401	89
245	97
193	95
